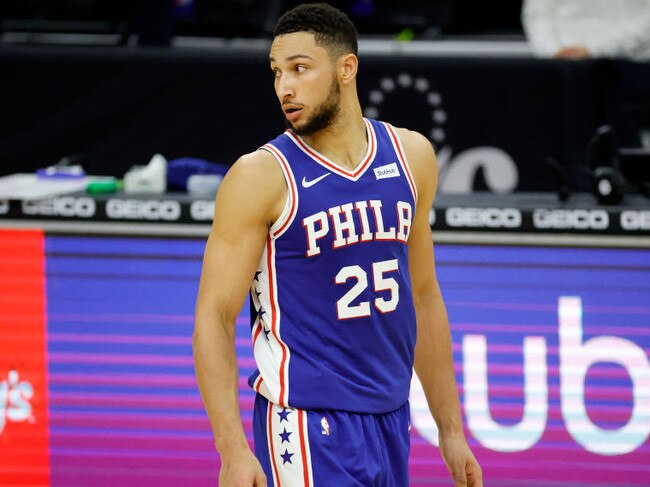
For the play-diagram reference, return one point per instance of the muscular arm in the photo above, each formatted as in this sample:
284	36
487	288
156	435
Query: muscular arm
433	355
250	198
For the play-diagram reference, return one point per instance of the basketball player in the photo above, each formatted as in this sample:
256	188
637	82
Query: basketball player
327	227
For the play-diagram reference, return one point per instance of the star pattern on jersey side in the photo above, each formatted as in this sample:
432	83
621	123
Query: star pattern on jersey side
286	457
283	415
257	293
260	313
257	275
266	332
285	436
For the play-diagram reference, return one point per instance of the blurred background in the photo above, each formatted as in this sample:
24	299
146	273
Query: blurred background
118	120
110	83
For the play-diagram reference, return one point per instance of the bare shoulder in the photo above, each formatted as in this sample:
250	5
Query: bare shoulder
254	184
414	140
256	167
420	156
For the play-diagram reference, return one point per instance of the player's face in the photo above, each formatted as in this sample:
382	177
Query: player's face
305	82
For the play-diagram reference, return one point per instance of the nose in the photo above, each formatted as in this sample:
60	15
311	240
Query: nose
284	87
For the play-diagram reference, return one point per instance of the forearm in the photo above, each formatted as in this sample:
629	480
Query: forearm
217	374
434	363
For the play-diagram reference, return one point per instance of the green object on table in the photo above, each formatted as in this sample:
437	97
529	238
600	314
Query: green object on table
104	185
405	35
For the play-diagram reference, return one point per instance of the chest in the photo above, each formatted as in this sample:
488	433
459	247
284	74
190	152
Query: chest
335	212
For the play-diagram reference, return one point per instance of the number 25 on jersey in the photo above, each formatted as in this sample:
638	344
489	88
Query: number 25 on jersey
381	282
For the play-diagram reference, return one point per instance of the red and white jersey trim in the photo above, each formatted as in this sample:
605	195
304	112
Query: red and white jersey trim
288	440
272	355
291	205
353	175
401	155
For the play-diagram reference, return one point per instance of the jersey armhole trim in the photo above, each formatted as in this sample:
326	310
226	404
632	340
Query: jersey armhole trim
291	204
401	156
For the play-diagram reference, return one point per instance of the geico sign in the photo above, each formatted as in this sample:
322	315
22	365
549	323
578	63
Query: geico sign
635	220
15	397
571	219
483	217
119	209
67	206
576	357
202	210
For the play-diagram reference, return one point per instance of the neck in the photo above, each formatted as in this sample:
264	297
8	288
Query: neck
345	141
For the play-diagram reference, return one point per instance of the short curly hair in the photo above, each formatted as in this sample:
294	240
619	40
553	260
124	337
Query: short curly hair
332	28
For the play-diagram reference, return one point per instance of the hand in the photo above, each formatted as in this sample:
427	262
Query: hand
241	470
460	461
573	52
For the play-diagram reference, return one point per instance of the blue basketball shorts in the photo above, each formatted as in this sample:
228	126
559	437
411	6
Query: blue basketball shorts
323	448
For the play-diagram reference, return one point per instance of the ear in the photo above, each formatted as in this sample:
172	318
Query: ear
348	65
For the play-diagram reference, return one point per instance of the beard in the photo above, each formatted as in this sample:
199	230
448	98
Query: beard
324	114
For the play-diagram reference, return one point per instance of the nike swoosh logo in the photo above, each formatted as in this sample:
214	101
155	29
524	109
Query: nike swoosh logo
310	183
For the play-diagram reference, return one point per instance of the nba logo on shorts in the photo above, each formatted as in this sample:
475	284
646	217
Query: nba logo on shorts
23	387
325	426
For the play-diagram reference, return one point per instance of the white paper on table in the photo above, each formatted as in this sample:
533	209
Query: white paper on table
31	187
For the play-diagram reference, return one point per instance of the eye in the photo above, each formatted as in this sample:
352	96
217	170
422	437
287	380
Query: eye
301	68
276	72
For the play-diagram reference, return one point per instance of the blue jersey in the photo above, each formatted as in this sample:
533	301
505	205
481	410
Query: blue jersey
333	321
